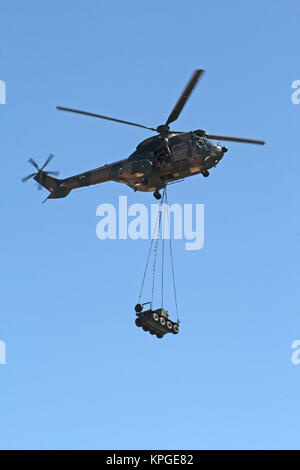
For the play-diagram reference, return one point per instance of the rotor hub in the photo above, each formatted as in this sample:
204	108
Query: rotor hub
163	129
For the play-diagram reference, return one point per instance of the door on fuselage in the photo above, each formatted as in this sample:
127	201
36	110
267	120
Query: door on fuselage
163	156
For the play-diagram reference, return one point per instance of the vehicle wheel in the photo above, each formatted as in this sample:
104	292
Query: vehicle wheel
138	322
175	329
169	325
152	332
157	194
158	335
138	308
144	328
205	173
155	317
162	321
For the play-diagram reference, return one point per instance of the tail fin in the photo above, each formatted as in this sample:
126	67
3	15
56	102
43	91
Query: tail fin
55	186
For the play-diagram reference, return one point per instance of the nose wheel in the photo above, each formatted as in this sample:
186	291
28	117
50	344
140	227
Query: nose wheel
157	195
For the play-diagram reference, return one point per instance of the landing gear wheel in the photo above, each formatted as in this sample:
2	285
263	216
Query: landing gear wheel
205	173
138	322
157	195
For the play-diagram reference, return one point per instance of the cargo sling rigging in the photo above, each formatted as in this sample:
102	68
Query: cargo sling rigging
159	232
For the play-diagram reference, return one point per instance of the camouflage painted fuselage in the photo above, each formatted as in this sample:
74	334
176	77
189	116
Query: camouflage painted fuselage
156	162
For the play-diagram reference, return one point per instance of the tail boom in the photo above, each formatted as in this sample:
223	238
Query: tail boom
60	188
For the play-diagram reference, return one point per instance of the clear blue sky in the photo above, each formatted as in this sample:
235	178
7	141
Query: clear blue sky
79	374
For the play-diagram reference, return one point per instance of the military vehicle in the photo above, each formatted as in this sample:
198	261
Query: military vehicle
157	321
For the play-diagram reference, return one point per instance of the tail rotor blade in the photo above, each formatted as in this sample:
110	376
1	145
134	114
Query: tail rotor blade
28	177
40	171
47	161
45	199
33	163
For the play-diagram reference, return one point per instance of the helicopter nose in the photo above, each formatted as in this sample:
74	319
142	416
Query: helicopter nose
221	150
219	153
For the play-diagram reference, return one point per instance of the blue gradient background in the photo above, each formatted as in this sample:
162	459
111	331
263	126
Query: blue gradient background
79	374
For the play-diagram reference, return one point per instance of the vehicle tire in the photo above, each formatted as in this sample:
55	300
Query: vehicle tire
155	317
205	173
162	321
138	308
152	332
138	322
175	329
144	328
159	336
169	325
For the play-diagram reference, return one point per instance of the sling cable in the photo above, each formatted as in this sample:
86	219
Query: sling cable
157	321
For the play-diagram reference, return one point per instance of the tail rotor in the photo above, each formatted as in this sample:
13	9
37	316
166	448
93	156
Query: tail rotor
40	171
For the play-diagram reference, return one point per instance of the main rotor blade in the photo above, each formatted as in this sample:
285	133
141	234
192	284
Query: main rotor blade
28	177
185	95
103	117
234	139
47	161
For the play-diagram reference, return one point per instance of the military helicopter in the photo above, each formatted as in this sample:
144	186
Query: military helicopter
157	161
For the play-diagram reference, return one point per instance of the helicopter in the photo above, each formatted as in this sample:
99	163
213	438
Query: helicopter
165	158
